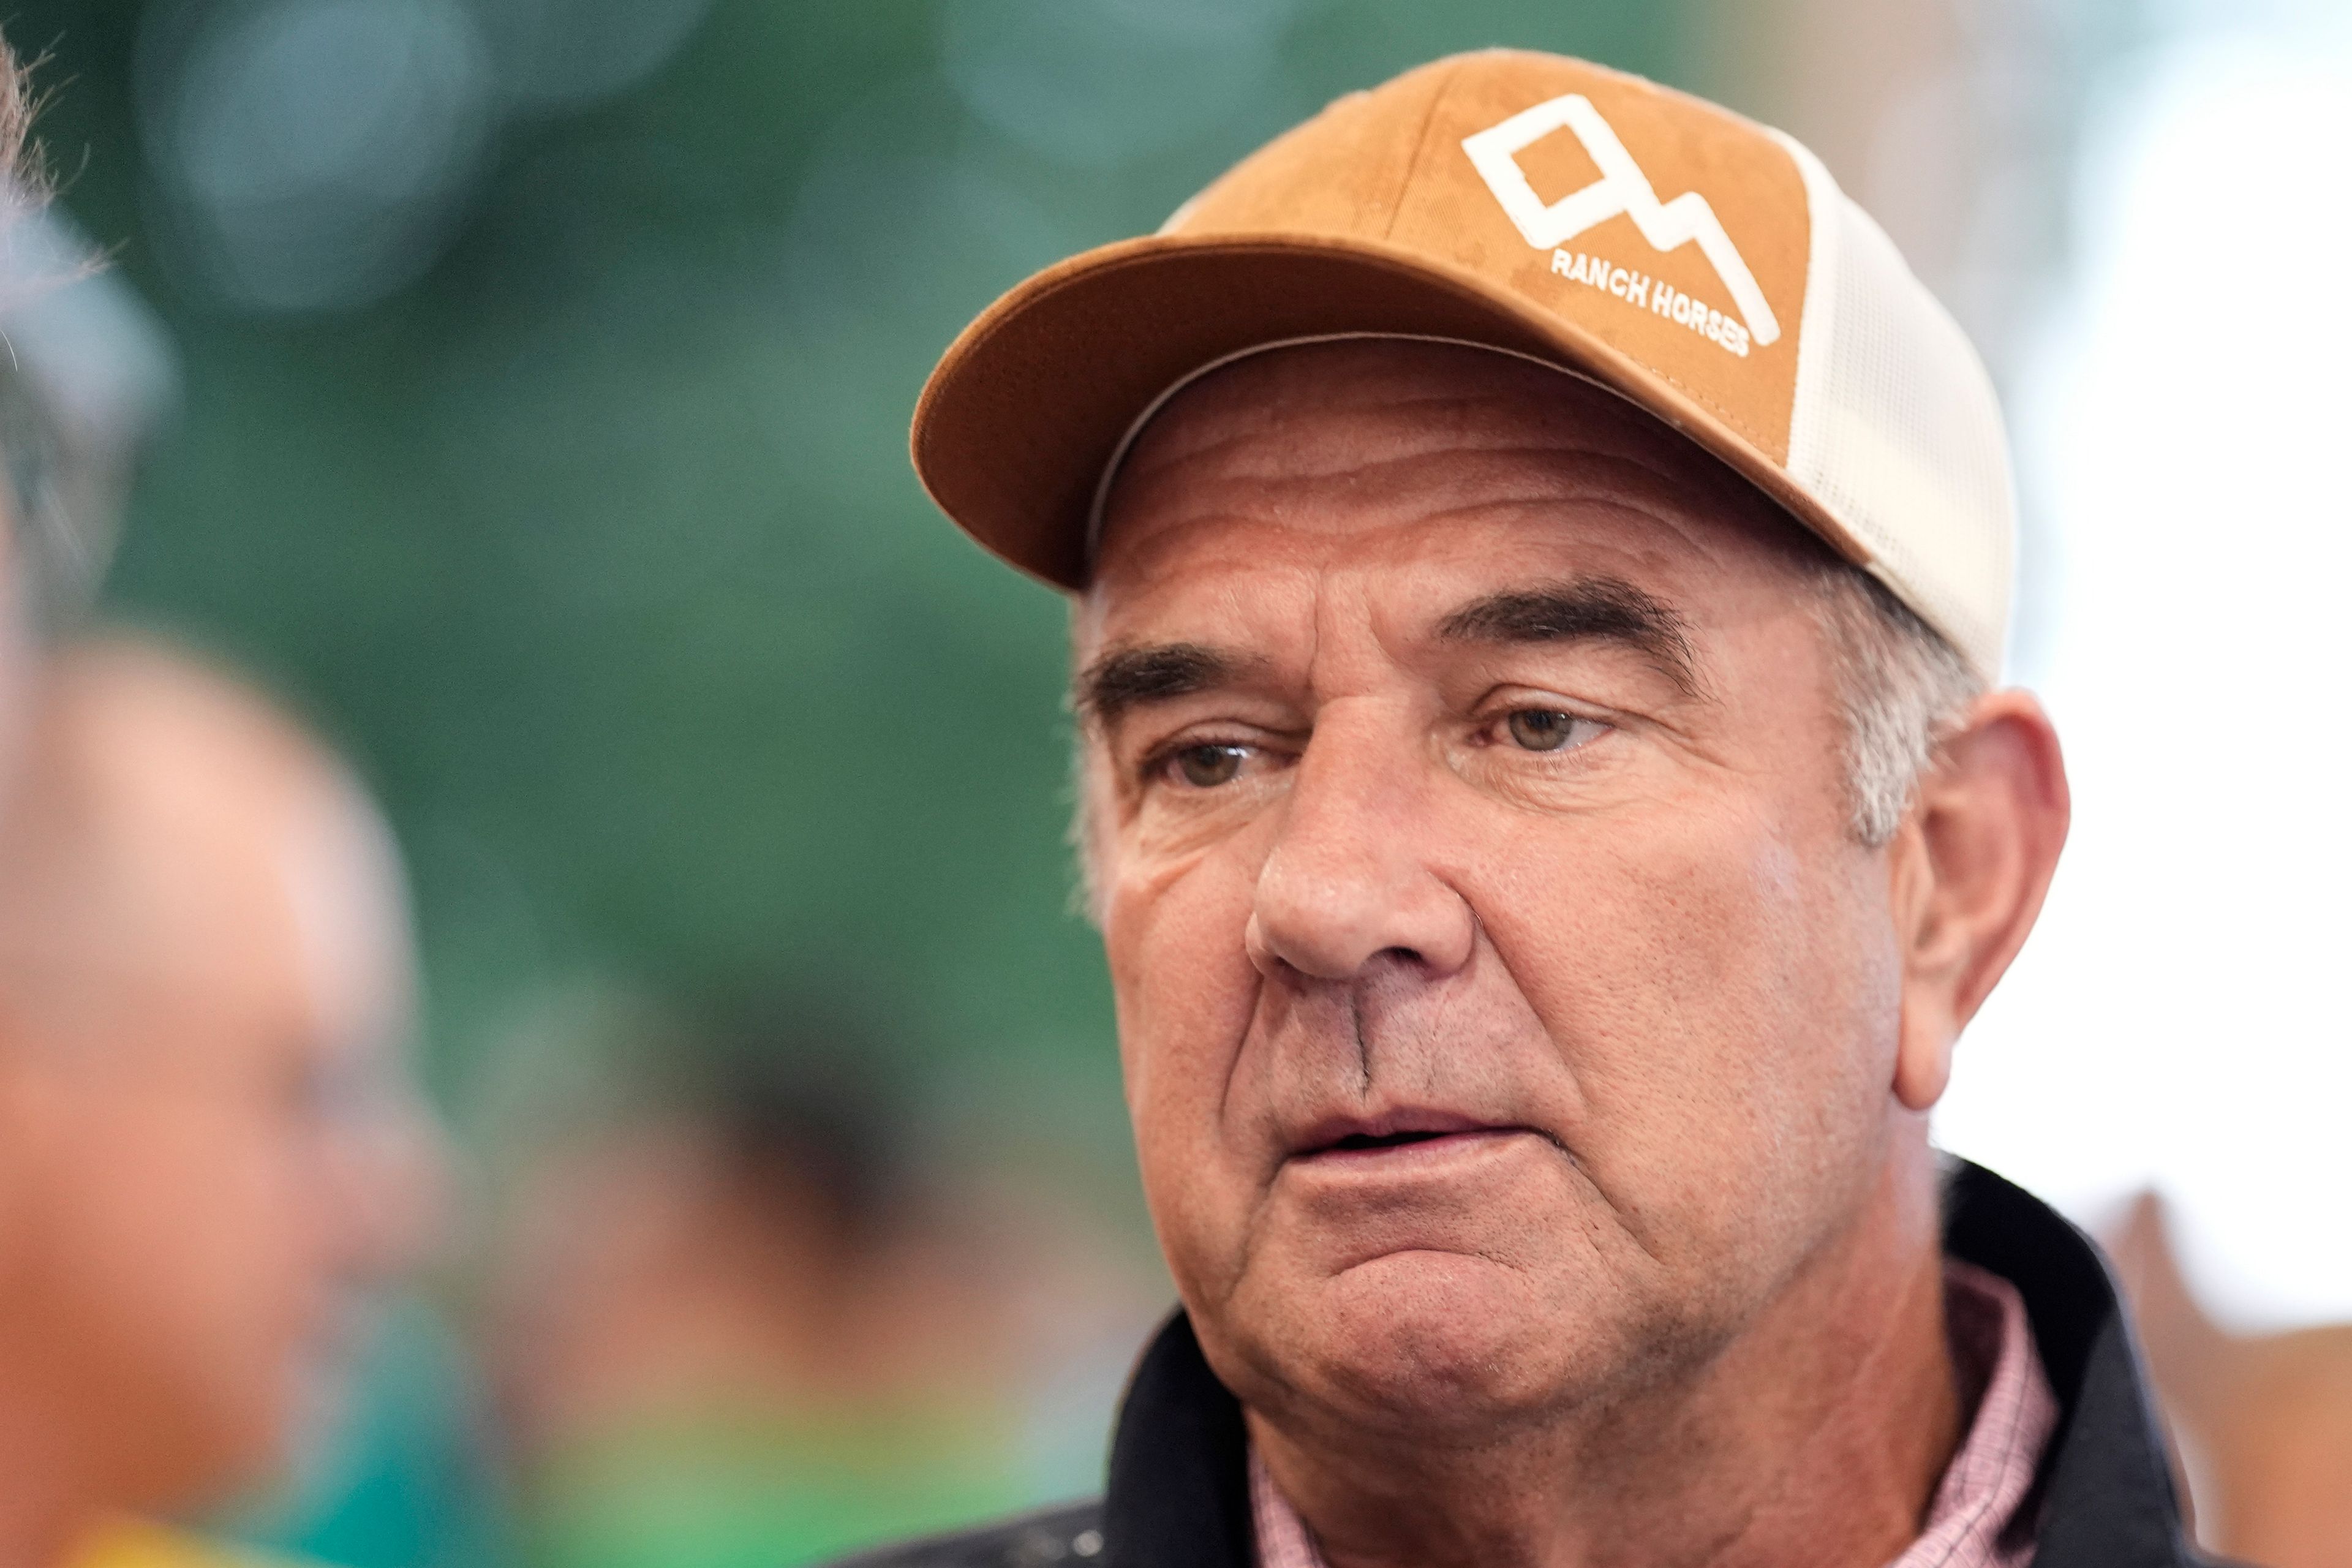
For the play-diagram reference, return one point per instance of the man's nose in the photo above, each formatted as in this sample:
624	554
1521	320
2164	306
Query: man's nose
1350	875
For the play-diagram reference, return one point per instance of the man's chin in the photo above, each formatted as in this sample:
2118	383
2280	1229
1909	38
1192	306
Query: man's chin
1430	1345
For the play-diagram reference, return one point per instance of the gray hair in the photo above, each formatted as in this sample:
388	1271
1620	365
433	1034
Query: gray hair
1903	689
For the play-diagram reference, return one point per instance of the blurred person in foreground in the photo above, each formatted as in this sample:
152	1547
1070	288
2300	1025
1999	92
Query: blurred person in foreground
210	1148
2262	1422
730	1323
1540	567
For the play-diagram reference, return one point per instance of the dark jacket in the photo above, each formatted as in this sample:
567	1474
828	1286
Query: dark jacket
1178	1497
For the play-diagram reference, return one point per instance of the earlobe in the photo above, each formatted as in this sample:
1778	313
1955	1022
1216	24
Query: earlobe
1923	1054
1970	871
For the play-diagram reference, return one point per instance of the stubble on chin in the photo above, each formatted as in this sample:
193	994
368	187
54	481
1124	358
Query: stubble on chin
1460	1351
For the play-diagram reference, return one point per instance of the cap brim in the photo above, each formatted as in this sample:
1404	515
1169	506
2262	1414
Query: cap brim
1033	400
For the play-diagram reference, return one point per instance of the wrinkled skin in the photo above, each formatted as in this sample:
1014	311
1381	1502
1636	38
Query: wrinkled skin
1567	893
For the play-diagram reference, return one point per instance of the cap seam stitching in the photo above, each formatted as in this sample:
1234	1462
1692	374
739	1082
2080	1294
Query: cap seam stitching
1420	148
1396	210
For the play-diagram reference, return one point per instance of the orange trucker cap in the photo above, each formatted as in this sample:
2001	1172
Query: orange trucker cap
1700	265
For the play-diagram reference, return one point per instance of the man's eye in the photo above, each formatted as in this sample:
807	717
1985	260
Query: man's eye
1550	729
1207	766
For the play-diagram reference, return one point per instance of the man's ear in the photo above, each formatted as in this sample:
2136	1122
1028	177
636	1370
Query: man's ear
1969	871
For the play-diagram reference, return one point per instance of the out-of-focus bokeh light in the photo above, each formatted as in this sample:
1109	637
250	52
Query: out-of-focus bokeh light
1098	85
567	53
313	154
320	154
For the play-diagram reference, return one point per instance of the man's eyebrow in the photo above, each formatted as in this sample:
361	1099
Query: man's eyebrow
1130	678
1600	609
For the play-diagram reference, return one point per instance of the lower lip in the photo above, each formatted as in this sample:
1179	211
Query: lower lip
1431	1151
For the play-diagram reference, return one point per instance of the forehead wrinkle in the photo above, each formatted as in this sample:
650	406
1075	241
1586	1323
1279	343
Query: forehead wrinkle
1299	442
1292	450
1362	437
1600	483
1424	387
1222	429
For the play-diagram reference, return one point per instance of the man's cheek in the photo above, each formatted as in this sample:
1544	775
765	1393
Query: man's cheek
1182	984
1192	1214
1671	975
1185	990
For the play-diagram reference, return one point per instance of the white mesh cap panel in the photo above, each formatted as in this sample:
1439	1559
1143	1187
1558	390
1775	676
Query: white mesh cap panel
1897	432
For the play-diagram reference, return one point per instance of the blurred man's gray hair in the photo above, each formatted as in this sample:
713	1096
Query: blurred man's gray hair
86	376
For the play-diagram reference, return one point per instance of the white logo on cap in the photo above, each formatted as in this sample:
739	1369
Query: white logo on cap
1621	188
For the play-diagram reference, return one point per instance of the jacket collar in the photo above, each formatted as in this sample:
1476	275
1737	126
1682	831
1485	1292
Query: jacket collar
1178	1492
2106	1485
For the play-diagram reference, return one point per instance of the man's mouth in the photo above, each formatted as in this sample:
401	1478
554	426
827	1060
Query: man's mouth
1344	1138
1386	1139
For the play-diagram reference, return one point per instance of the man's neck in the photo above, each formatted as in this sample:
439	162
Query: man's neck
1816	1436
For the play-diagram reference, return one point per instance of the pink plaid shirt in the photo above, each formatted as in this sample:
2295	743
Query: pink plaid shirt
1976	1519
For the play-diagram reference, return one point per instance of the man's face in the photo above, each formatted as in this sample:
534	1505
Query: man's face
217	1145
1507	1012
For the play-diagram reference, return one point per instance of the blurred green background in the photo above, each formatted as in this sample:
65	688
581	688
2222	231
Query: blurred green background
585	521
